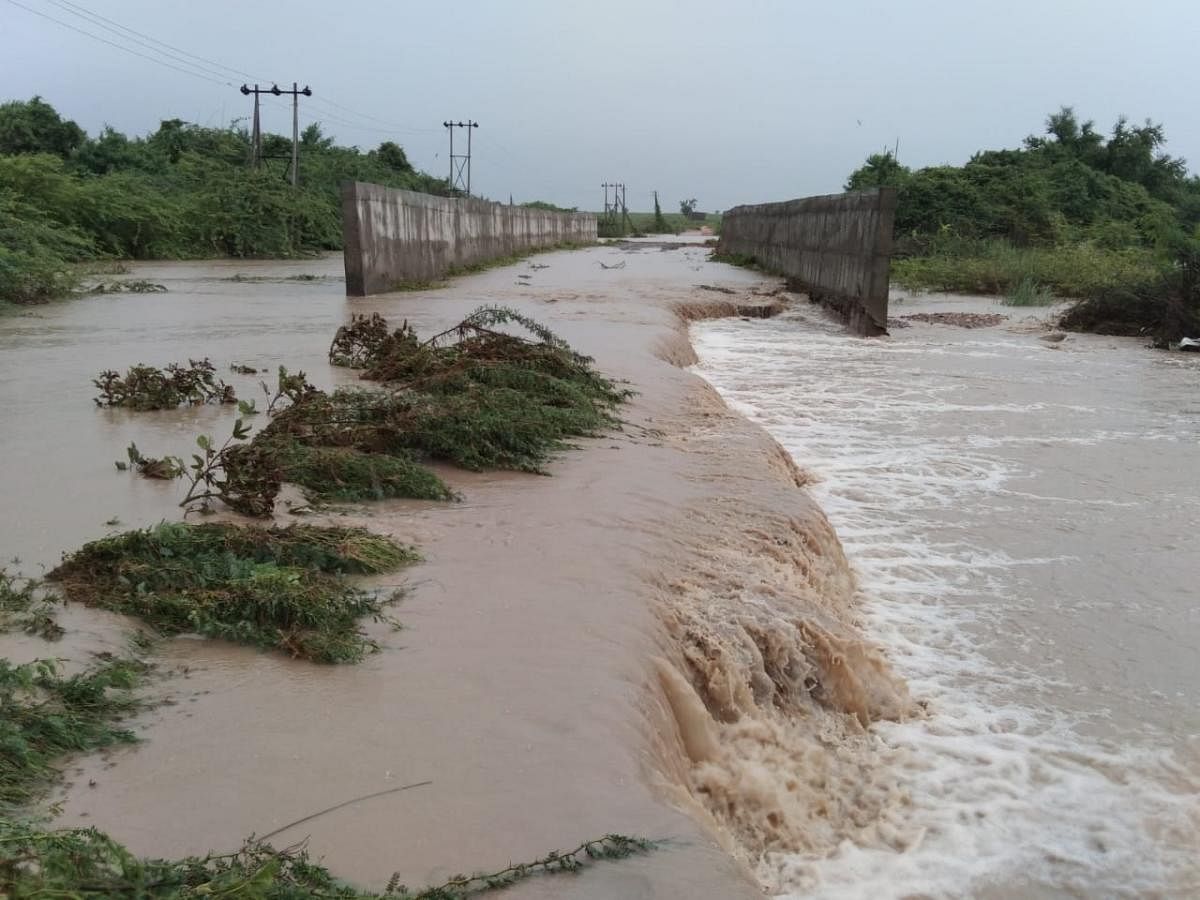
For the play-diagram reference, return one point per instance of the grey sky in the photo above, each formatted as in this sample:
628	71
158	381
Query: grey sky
730	102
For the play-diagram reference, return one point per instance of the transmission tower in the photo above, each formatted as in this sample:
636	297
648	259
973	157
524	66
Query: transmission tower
460	163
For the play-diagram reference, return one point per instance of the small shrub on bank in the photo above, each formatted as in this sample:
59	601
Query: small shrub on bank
270	587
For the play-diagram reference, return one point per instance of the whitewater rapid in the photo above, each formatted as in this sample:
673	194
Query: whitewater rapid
1019	516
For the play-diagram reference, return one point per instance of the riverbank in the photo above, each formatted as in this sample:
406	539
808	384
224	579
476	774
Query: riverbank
570	663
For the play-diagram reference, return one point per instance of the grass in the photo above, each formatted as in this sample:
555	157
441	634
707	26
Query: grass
279	588
999	267
25	607
349	474
84	862
44	716
1029	293
741	260
476	396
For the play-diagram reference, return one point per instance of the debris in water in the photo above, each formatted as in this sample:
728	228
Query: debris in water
47	716
717	288
84	862
146	388
270	587
128	287
166	468
619	265
25	607
960	319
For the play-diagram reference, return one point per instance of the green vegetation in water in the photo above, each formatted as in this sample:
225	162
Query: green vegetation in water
136	286
280	588
24	606
1111	221
741	260
82	862
165	468
475	396
44	716
145	387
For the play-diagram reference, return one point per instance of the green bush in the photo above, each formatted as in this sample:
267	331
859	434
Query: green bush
181	192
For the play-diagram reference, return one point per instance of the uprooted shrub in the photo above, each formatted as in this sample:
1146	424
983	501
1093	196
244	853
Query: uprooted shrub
45	715
147	387
281	588
473	395
25	607
86	863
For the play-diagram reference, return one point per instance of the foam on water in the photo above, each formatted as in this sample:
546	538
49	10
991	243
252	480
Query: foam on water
918	443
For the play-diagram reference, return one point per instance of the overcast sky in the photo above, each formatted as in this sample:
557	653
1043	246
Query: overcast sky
729	102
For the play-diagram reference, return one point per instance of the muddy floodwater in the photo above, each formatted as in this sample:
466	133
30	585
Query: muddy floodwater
907	617
1025	519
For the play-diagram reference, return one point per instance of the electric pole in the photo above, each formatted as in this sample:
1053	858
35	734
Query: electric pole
460	163
617	208
256	154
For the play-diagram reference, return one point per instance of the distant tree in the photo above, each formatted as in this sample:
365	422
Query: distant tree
880	170
36	127
543	204
1070	137
687	207
312	138
393	156
660	222
109	152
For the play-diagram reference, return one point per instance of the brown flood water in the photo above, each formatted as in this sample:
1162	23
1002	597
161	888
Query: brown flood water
523	684
664	638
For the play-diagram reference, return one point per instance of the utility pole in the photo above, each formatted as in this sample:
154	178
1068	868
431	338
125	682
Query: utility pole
617	208
460	163
256	154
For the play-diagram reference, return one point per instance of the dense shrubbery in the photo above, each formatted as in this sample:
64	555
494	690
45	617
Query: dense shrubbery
183	191
1073	211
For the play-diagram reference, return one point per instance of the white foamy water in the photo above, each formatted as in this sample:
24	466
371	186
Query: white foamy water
1024	520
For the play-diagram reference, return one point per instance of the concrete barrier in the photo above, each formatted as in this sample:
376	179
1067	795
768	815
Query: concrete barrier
392	237
837	248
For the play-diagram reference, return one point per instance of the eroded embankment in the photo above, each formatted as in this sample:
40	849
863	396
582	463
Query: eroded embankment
768	682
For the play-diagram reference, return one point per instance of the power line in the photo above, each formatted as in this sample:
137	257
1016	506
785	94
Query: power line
102	40
392	126
206	66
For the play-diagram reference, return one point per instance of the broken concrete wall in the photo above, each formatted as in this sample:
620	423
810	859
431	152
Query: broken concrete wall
392	237
837	248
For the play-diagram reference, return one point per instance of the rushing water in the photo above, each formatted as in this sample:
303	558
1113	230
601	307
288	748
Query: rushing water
1024	518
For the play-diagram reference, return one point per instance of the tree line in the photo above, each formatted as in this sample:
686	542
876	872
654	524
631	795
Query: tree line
182	191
